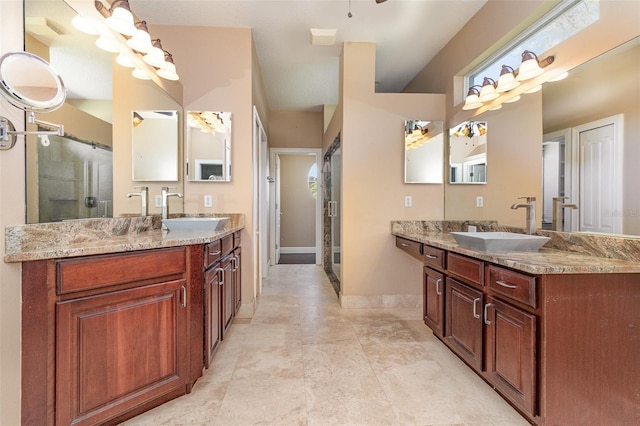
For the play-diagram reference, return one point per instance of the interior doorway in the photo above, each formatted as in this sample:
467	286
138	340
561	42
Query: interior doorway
296	187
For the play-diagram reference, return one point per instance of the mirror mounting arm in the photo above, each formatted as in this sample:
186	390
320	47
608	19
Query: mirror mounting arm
8	134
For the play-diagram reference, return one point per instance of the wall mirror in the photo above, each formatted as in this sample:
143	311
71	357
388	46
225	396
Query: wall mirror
581	137
423	151
468	153
86	175
209	146
154	145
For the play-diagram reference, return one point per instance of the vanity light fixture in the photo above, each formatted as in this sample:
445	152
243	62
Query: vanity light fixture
531	67
155	57
488	90
131	41
121	19
507	80
168	69
141	40
472	100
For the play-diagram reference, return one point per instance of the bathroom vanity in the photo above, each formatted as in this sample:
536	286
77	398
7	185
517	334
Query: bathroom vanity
555	333
115	325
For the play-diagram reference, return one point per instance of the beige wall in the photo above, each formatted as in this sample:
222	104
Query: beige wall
298	206
296	129
12	212
374	271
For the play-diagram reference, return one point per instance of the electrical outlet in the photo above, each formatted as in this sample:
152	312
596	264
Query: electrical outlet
407	201
479	202
158	200
208	201
472	228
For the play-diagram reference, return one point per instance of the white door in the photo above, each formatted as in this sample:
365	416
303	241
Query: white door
599	175
278	212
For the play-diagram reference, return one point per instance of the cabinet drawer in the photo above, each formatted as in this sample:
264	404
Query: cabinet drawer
106	270
412	247
434	257
226	244
212	253
514	285
466	267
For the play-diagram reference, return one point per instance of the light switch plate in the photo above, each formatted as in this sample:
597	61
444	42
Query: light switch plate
479	201
407	201
208	201
158	200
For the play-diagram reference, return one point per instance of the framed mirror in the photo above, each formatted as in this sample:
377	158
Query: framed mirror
423	151
468	153
154	145
209	146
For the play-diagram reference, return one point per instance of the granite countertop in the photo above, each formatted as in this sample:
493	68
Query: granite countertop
544	261
57	240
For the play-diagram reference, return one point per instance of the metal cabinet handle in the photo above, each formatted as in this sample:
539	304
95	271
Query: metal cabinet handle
215	253
486	315
430	256
438	292
183	289
503	284
405	244
475	311
221	270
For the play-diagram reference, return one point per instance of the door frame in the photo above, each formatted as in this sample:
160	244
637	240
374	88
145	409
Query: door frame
317	152
260	210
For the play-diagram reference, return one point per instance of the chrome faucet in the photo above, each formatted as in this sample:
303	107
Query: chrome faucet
144	199
530	205
165	200
558	206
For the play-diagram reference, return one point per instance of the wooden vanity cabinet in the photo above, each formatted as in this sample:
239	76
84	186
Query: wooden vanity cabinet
105	337
237	278
433	303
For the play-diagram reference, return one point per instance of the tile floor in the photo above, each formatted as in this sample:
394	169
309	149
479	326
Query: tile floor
302	360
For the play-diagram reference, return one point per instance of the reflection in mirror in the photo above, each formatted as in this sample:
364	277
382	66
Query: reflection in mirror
468	153
155	145
209	146
423	151
594	131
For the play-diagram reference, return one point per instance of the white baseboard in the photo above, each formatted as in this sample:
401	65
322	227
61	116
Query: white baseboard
296	250
381	301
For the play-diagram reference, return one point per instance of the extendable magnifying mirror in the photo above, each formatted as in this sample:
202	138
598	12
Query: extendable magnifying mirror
28	82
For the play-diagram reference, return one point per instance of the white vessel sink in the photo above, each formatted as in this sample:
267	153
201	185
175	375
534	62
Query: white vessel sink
499	241
195	223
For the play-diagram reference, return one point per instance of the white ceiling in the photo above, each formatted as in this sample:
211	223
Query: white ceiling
300	76
296	74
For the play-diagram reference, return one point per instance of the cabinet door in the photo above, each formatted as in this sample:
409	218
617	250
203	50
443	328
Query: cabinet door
511	353
237	280
227	298
433	307
463	325
118	350
212	315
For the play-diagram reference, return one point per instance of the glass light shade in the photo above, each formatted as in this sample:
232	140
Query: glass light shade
471	102
121	20
155	57
529	67
83	24
125	61
140	75
488	91
105	43
507	82
168	71
140	41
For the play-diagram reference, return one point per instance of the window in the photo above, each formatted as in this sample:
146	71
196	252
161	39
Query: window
313	181
564	21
